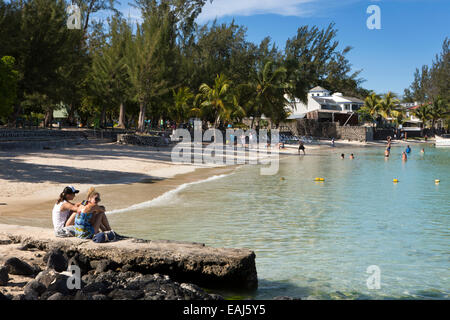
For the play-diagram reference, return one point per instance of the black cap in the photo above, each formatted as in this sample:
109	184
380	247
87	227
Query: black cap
70	190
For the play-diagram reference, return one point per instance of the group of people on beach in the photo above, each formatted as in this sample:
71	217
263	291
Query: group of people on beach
85	220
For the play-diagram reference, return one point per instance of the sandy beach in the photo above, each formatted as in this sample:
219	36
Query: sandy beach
30	182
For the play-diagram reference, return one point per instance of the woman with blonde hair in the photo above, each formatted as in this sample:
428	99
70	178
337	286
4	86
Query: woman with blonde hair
90	217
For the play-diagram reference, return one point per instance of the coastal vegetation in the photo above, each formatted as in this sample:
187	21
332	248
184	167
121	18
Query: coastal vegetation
165	66
380	110
431	87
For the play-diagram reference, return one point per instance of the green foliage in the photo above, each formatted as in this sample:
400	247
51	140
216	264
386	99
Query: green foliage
108	78
312	58
423	113
165	67
180	111
388	104
8	86
216	99
432	81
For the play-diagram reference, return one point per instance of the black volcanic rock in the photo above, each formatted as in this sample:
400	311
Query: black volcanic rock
57	260
34	287
19	267
4	276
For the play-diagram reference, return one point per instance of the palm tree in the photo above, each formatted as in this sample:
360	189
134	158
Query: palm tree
181	109
271	87
399	116
423	113
437	110
388	104
370	110
216	99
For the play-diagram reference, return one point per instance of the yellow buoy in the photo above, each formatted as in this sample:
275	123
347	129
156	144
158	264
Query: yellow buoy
282	178
395	180
317	179
322	179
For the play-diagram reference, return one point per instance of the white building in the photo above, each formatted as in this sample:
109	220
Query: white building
322	101
411	123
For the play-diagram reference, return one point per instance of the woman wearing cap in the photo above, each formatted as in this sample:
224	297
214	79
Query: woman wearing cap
62	210
90	217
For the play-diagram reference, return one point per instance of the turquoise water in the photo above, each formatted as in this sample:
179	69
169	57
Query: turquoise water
316	239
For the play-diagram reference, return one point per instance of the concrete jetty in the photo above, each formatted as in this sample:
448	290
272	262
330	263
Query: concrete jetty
183	261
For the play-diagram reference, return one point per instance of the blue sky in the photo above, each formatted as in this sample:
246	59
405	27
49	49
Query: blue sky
411	34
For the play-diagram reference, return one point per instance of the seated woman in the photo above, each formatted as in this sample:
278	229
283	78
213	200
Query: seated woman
90	218
62	213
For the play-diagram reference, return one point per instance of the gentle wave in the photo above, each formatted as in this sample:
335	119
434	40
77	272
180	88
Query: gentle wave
169	195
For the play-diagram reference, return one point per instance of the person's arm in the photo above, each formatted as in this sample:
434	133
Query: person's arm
94	208
70	206
99	209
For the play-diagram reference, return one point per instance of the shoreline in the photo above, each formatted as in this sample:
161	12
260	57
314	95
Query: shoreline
152	176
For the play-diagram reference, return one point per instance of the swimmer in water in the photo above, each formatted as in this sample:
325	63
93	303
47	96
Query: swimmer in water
386	153
352	156
342	156
404	156
422	151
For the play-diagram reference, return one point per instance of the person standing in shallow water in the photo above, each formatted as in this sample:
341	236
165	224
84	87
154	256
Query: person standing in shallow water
404	156
301	147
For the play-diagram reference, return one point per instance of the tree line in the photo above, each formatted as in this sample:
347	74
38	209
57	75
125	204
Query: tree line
164	67
431	88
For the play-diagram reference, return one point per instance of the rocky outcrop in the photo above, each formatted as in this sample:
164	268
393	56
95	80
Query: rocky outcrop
4	277
142	140
184	262
19	267
110	285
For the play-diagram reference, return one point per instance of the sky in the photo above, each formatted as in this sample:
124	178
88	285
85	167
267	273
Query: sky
412	31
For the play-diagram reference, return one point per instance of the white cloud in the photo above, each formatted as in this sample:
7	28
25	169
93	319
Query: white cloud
221	8
298	8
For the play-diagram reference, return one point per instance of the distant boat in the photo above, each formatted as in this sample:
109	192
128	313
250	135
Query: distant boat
443	141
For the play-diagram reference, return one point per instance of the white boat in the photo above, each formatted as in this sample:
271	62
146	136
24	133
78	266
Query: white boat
443	141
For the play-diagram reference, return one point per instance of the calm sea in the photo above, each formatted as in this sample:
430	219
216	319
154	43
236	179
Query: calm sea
316	240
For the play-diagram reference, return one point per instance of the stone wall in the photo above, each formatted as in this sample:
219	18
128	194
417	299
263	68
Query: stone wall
39	139
382	134
143	140
328	130
26	135
311	127
353	133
